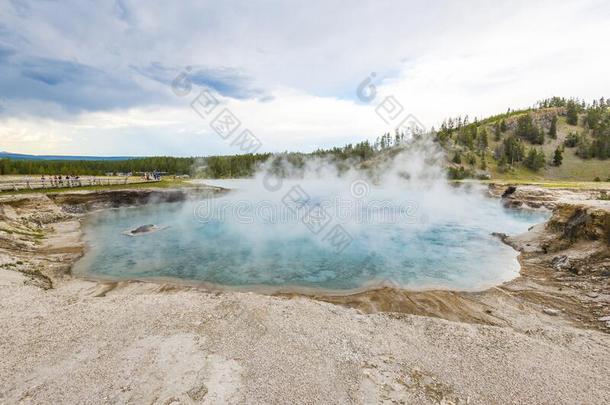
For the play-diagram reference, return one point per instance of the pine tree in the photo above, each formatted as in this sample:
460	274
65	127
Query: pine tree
558	157
483	141
503	126
572	113
571	140
513	149
526	129
471	158
534	160
553	128
497	132
483	163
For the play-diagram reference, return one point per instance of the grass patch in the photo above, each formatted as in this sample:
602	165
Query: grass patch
543	183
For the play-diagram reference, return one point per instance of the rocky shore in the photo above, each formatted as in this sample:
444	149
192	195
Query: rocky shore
541	338
565	272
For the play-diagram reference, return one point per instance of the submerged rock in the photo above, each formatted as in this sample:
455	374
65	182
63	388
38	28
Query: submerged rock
143	230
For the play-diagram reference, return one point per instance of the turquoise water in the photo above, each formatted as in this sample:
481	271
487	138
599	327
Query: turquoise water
248	248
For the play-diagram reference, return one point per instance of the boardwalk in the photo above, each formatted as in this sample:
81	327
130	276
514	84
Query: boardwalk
17	183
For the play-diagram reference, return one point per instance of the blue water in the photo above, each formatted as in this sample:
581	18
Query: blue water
253	248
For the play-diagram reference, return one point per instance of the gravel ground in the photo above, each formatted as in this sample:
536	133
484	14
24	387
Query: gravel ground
145	343
65	340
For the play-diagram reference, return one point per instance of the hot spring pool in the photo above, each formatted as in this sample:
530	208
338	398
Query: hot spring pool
239	241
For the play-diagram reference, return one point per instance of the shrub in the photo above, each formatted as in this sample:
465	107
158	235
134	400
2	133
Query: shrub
571	140
459	173
534	160
558	157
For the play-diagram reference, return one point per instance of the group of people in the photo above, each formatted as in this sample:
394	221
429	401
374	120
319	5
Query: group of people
60	181
76	181
155	175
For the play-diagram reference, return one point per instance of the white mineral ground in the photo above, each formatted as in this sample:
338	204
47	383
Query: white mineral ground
536	339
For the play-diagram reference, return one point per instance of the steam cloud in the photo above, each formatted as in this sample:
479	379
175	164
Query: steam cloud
320	224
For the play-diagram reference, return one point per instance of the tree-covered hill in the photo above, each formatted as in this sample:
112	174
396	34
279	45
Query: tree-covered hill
558	139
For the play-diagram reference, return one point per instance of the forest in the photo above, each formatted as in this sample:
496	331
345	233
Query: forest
511	139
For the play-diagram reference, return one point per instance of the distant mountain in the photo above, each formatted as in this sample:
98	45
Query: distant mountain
19	156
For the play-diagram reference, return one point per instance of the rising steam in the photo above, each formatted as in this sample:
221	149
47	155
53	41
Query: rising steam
321	224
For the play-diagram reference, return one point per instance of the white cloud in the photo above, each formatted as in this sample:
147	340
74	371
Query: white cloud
438	58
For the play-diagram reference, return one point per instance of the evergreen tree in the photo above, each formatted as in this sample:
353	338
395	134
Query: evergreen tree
483	163
538	136
553	128
558	157
534	160
513	149
571	140
497	132
482	141
471	158
572	112
502	163
526	129
503	126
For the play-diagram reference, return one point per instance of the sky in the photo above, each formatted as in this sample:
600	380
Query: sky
120	77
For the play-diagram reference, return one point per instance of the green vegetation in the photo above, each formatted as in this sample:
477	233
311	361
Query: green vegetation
558	156
572	138
557	139
526	129
96	167
534	160
553	128
459	173
572	112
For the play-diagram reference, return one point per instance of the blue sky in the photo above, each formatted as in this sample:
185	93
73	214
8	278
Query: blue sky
94	77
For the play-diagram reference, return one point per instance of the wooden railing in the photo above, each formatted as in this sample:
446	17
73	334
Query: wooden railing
30	183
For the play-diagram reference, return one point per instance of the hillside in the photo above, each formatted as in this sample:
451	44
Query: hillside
521	145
